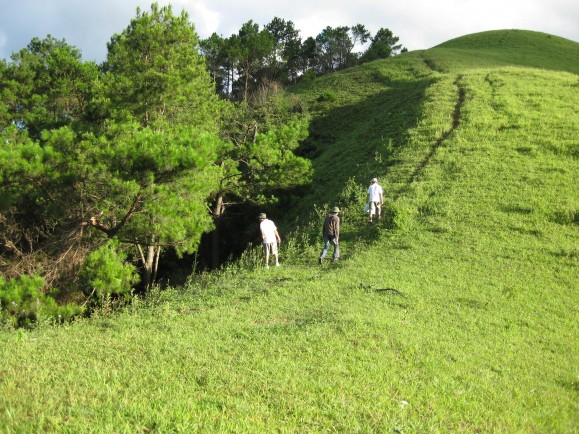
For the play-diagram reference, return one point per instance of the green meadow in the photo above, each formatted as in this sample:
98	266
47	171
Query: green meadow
457	312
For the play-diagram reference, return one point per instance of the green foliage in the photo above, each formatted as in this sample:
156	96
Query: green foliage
47	85
384	44
129	152
23	303
165	163
248	50
307	76
327	96
106	273
251	58
284	60
169	174
156	75
465	321
265	136
566	217
354	195
335	48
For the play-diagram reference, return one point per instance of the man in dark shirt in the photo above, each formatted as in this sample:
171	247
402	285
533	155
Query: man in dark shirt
331	234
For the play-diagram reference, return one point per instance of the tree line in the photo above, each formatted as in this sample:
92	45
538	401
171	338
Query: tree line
104	167
276	53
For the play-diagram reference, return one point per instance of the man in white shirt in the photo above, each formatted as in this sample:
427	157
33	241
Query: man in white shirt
375	198
270	239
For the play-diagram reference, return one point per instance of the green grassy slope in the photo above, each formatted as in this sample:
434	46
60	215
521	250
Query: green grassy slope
457	313
507	47
391	91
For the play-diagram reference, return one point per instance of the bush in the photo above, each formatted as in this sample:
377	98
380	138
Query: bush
327	96
354	195
23	302
107	274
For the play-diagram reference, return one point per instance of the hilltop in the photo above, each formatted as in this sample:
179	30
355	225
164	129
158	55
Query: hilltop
511	47
457	313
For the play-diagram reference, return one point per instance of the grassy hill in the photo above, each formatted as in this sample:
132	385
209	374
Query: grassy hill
456	313
508	47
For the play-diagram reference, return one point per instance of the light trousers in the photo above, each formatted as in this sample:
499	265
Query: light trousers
327	242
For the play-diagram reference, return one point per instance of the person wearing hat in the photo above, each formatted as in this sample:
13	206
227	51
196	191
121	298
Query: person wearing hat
331	234
375	198
270	238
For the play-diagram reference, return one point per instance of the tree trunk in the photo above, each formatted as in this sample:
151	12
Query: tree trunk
246	85
217	213
150	264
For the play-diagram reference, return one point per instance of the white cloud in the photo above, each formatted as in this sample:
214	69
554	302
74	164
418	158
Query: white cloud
420	24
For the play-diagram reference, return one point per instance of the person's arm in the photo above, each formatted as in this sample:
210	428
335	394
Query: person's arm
277	237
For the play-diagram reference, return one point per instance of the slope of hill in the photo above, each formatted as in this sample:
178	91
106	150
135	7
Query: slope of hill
457	313
510	47
365	117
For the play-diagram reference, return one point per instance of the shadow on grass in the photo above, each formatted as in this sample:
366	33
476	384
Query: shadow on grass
456	118
361	140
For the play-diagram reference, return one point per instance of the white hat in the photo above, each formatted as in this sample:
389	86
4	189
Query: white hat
374	180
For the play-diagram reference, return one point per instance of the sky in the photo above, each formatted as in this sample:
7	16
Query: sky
420	24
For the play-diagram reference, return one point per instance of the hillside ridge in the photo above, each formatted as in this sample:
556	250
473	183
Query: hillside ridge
504	38
512	47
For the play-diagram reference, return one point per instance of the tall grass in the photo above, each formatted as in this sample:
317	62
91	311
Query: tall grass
458	313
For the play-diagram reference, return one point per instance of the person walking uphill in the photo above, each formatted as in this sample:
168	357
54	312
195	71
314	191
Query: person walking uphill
375	199
331	234
270	238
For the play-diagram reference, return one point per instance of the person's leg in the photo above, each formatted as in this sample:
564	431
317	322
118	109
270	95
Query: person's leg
325	249
336	249
266	250
372	210
379	208
275	254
